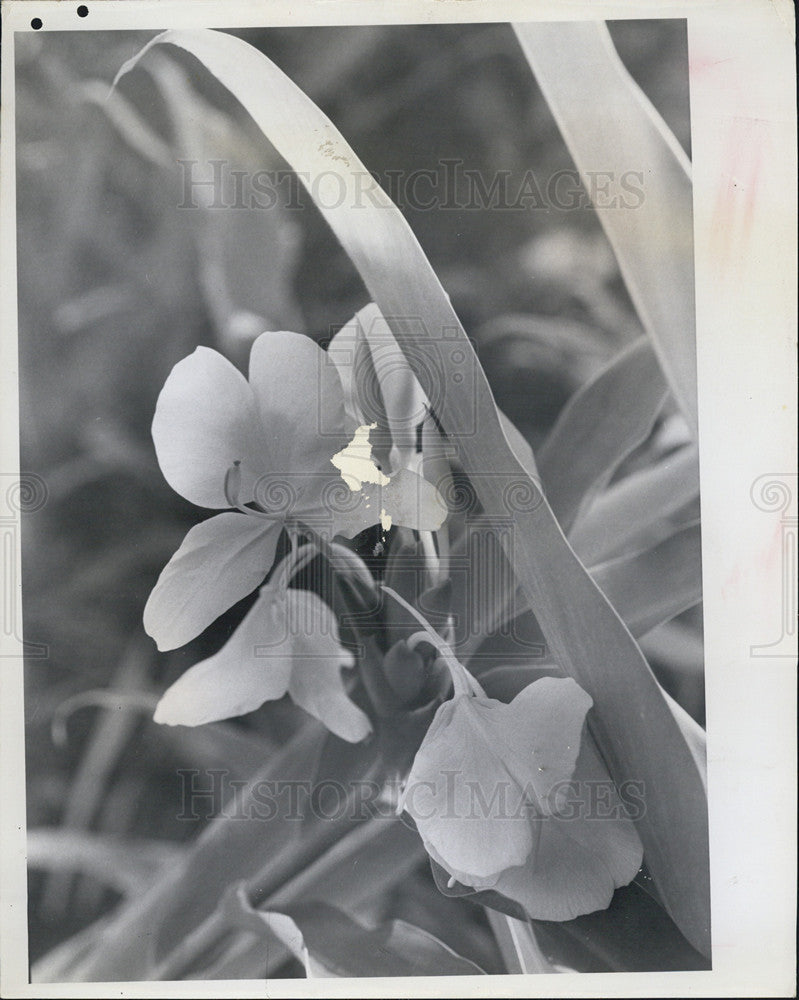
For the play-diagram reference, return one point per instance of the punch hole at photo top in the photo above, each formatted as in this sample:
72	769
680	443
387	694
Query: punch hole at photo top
37	24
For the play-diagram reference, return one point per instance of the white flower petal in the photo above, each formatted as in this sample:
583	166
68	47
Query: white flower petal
301	405
218	563
409	500
485	770
583	855
205	420
287	642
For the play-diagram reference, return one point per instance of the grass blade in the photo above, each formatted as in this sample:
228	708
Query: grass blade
652	587
611	128
122	863
339	946
227	849
601	424
516	940
625	515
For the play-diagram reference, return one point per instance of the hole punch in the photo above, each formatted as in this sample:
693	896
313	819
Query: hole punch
83	10
36	23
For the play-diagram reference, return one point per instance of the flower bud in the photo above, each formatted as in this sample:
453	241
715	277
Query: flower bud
405	671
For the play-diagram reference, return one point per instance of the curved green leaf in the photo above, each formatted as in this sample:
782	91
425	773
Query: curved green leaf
330	943
122	863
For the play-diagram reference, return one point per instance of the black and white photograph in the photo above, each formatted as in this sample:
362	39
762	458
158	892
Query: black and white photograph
365	541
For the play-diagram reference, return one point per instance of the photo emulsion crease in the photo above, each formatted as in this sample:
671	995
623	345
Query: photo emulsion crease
359	503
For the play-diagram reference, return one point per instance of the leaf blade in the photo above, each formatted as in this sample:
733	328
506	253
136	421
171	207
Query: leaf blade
602	423
652	587
638	505
653	241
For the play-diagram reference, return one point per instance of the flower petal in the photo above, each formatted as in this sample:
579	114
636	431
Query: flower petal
584	854
287	642
405	404
316	683
205	420
301	404
484	763
219	562
544	727
407	500
349	352
458	794
235	680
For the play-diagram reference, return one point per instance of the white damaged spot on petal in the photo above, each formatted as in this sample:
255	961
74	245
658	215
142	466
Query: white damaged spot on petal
355	462
404	499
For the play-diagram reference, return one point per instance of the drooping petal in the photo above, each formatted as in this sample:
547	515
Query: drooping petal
458	793
235	680
584	854
288	642
316	683
486	769
546	721
218	563
301	405
205	420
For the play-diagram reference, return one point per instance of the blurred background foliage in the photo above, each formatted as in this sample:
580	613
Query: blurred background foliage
117	283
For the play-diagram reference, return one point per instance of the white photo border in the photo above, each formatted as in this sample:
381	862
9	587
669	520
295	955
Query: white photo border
743	125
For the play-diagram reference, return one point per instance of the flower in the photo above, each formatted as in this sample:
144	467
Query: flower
287	643
505	798
263	446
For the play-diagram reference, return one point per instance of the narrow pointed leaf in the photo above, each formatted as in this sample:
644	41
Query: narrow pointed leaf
600	426
236	845
623	518
517	942
519	446
126	120
333	944
653	240
652	587
122	863
647	588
